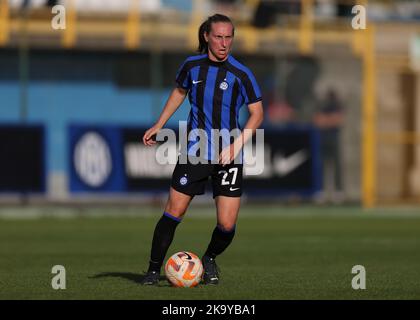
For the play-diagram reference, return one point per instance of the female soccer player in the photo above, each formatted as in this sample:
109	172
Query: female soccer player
217	86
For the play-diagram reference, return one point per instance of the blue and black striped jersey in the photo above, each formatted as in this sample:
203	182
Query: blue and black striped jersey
216	91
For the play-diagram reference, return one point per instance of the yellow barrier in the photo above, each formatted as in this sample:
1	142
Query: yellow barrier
306	28
69	34
4	22
368	137
132	34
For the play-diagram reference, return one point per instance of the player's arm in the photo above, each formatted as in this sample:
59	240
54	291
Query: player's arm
256	116
175	99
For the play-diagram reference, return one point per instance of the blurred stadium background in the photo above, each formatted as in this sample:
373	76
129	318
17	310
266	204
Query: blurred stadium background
74	103
113	65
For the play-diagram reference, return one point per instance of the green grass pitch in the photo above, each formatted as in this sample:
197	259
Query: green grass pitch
278	253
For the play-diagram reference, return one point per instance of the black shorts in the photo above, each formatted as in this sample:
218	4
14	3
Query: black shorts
191	179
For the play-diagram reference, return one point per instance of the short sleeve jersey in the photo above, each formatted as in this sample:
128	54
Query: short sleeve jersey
216	92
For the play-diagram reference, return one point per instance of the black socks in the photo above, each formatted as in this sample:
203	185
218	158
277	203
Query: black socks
220	240
162	239
164	234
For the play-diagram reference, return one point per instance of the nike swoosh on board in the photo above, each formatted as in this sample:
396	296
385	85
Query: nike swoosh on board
284	165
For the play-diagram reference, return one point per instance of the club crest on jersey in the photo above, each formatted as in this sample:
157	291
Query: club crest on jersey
224	85
183	181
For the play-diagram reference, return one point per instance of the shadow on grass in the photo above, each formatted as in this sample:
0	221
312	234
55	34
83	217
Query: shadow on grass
134	277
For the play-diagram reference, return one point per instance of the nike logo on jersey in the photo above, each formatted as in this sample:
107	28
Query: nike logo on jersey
233	189
197	81
286	164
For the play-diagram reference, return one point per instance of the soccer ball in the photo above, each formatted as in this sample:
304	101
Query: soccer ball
184	269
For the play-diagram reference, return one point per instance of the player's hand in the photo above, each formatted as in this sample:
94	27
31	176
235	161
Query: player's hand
229	154
149	137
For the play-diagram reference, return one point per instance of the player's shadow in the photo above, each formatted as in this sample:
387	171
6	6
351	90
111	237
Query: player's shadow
134	277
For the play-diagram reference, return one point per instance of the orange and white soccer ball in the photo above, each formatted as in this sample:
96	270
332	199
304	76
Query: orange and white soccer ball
184	269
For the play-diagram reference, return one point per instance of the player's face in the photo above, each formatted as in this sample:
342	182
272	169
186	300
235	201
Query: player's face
220	40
